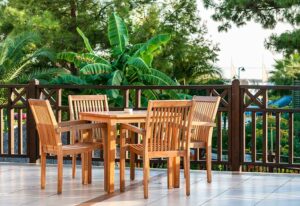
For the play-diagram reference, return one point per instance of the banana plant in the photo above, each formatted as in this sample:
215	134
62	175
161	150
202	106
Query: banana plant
129	64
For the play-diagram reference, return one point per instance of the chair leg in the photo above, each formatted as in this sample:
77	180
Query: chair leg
84	162
90	167
122	159
74	166
146	177
122	169
184	171
132	156
187	174
43	170
132	166
59	173
170	174
208	163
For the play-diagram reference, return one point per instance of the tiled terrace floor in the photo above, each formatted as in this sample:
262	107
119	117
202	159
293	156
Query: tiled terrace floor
19	185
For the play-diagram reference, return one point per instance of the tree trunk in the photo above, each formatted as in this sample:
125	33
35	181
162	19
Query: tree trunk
73	22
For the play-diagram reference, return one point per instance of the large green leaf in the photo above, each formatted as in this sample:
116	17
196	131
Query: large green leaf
92	58
68	79
185	96
164	77
150	79
81	60
85	40
117	34
116	79
135	47
151	47
139	65
148	58
148	93
67	56
97	68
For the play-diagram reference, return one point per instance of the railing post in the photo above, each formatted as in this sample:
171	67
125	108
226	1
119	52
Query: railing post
138	94
126	98
32	140
11	122
235	142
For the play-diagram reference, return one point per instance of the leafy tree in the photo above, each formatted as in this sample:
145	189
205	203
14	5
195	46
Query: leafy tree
56	21
189	55
286	70
128	64
266	12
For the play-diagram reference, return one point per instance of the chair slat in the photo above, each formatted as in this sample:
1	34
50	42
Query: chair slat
87	103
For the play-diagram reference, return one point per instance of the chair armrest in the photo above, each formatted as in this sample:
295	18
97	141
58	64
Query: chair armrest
204	124
72	122
78	125
133	129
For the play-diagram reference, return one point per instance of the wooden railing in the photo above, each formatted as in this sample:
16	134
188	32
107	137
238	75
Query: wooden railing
231	143
274	126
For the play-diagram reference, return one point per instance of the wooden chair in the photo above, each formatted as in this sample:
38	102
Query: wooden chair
50	140
206	108
87	103
166	134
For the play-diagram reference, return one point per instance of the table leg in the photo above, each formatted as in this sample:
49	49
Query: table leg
110	152
105	138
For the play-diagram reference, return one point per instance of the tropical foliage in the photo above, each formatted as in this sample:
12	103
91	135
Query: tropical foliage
19	54
189	55
286	70
124	64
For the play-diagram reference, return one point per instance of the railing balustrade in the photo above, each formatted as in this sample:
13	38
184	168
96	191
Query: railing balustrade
250	131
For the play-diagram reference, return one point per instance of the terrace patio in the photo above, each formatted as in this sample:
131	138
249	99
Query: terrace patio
20	186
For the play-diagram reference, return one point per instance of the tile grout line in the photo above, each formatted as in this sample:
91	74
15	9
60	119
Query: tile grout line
104	197
277	188
201	179
226	190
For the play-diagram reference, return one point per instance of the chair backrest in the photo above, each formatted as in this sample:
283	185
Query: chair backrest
86	103
168	125
206	108
45	123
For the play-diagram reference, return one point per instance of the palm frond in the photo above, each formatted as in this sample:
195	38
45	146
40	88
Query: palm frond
44	75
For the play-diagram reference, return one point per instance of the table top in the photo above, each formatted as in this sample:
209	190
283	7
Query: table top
116	114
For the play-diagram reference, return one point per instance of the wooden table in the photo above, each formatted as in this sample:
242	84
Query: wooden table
112	118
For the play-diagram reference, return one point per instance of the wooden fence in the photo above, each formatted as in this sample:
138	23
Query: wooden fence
241	107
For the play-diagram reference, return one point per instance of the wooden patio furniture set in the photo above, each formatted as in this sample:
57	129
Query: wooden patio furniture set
170	129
